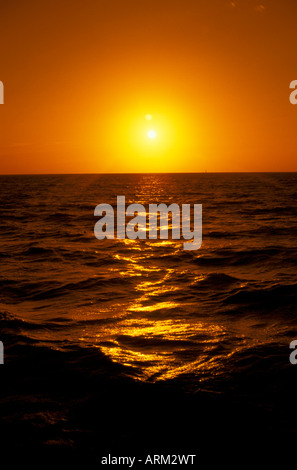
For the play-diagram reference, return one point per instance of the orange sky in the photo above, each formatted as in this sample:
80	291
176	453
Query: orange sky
80	77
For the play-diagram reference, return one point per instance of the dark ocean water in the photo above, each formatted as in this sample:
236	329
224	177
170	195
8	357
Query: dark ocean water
106	341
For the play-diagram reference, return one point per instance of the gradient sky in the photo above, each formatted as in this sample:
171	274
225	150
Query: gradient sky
80	77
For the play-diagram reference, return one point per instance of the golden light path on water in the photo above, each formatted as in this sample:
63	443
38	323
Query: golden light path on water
157	339
156	336
157	362
150	334
162	333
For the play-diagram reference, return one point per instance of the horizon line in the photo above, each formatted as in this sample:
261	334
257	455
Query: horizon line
150	173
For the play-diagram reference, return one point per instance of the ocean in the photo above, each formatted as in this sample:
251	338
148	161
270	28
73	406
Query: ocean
126	347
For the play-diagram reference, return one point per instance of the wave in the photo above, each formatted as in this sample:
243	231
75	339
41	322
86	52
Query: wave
216	281
246	257
270	298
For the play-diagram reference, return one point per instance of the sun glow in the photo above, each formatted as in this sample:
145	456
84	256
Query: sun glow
150	137
152	134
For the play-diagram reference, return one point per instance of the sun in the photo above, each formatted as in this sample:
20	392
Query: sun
150	138
152	134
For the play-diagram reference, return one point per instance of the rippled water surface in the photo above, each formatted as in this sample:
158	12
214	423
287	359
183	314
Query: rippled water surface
156	309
